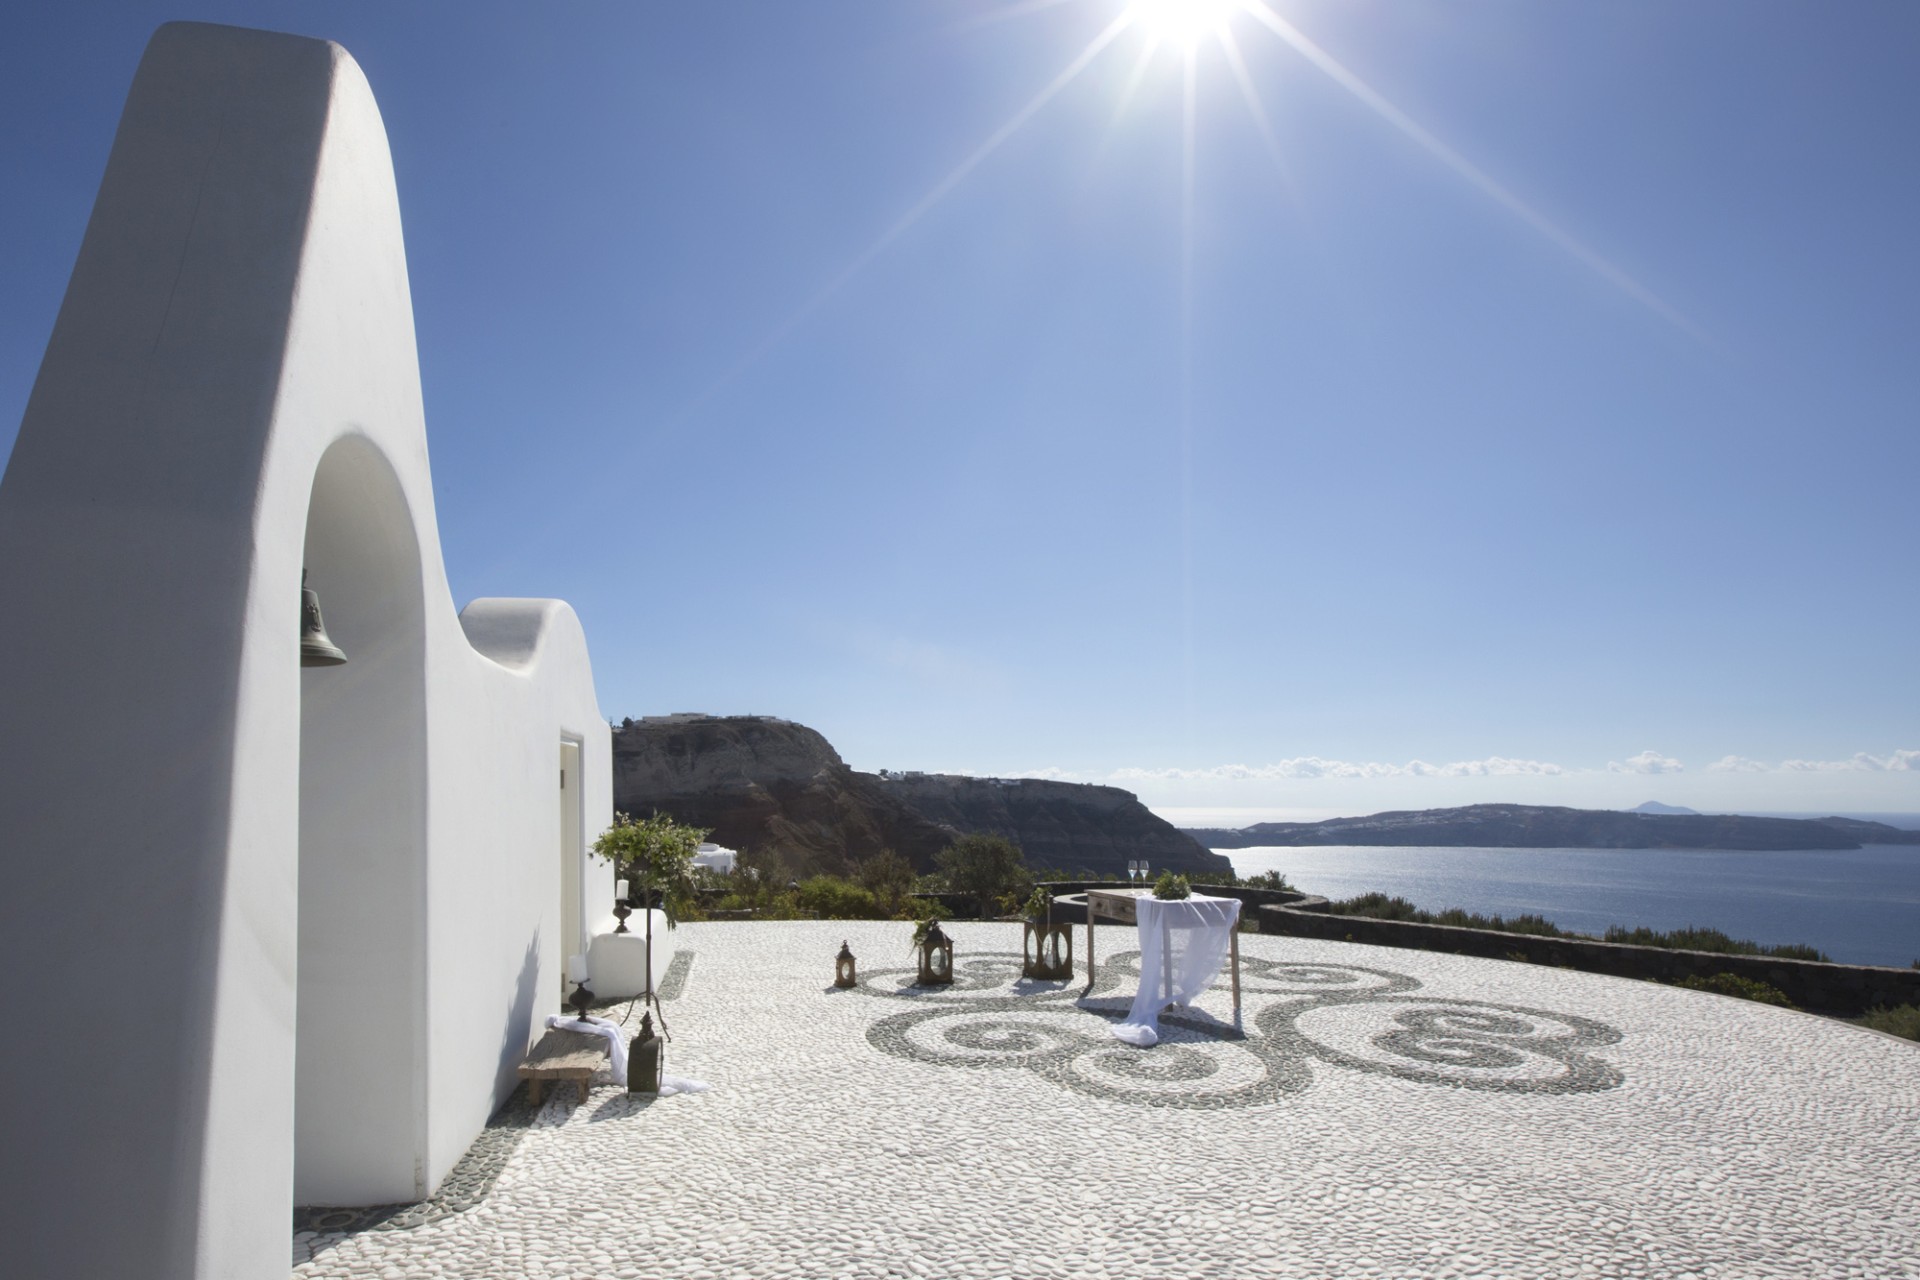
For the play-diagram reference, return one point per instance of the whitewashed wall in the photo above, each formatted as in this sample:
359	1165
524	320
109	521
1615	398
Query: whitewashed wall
323	901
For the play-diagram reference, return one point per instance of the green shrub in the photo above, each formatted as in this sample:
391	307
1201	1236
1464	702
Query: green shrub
1732	984
989	869
1902	1020
889	878
831	898
1265	880
1538	926
1701	938
1379	906
766	906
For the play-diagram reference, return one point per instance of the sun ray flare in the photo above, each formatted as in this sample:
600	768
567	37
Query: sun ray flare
1189	133
919	209
1257	109
1336	71
1148	48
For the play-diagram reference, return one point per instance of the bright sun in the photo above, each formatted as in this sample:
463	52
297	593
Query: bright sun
1182	22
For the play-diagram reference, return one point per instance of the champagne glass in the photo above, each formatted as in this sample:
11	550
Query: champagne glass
1143	871
1133	871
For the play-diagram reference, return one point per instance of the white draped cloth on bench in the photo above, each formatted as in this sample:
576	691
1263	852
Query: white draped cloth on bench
1182	944
608	1031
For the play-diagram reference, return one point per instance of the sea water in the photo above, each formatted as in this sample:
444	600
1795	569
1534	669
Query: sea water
1860	906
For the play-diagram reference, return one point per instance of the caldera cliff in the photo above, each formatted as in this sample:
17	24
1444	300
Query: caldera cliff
762	783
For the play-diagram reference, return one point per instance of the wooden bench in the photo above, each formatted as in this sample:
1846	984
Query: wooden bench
563	1055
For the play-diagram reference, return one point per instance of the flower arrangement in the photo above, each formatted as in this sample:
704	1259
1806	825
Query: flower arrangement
1170	885
924	926
1039	908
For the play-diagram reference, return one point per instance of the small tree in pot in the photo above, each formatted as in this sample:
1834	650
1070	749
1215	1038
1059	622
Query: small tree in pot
655	856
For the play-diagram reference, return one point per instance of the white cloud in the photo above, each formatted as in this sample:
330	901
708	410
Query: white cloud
1319	768
1491	767
1315	767
1898	762
1646	762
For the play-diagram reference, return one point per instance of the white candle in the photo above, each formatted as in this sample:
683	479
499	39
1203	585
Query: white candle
620	889
577	969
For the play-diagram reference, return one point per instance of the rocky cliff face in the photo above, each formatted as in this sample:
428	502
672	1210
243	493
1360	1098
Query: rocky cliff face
764	783
1068	825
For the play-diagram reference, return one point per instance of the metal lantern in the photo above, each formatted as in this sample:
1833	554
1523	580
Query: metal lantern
1047	950
843	968
936	958
646	1058
316	649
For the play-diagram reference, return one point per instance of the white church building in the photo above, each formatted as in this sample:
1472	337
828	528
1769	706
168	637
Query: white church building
273	934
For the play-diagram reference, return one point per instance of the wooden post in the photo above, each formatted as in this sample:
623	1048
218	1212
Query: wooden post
1089	940
1233	941
1166	963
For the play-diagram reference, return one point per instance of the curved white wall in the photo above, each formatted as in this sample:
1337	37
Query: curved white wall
325	901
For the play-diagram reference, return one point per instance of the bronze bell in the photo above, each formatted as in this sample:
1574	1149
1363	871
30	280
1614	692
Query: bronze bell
316	649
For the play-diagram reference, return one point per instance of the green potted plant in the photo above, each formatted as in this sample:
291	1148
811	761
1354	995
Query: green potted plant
1172	886
655	856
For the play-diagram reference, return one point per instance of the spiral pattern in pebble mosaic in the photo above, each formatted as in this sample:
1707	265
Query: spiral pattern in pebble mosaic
1376	1113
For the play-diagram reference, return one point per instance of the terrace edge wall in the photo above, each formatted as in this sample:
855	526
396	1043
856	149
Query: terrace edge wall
1844	989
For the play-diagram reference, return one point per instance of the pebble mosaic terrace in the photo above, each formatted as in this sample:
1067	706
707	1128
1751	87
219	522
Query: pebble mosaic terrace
1377	1113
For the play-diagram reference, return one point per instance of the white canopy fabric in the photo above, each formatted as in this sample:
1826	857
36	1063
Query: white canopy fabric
1182	943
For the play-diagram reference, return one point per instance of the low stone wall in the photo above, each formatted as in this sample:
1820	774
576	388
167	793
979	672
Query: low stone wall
962	906
1842	989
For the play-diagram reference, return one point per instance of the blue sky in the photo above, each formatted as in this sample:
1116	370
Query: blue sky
1526	410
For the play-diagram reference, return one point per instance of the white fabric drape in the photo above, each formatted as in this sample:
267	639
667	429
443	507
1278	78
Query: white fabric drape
617	1053
670	1085
1182	942
608	1031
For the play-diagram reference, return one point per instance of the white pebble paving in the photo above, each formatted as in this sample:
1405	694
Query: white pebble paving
1714	1138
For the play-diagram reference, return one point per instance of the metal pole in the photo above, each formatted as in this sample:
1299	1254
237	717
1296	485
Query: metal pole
651	998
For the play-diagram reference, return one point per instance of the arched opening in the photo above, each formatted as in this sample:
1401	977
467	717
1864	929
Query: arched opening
360	1051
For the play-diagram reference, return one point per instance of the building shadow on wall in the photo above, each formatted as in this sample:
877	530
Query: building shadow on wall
520	1010
319	1228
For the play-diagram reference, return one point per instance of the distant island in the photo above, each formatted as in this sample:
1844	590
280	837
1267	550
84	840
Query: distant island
1526	826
